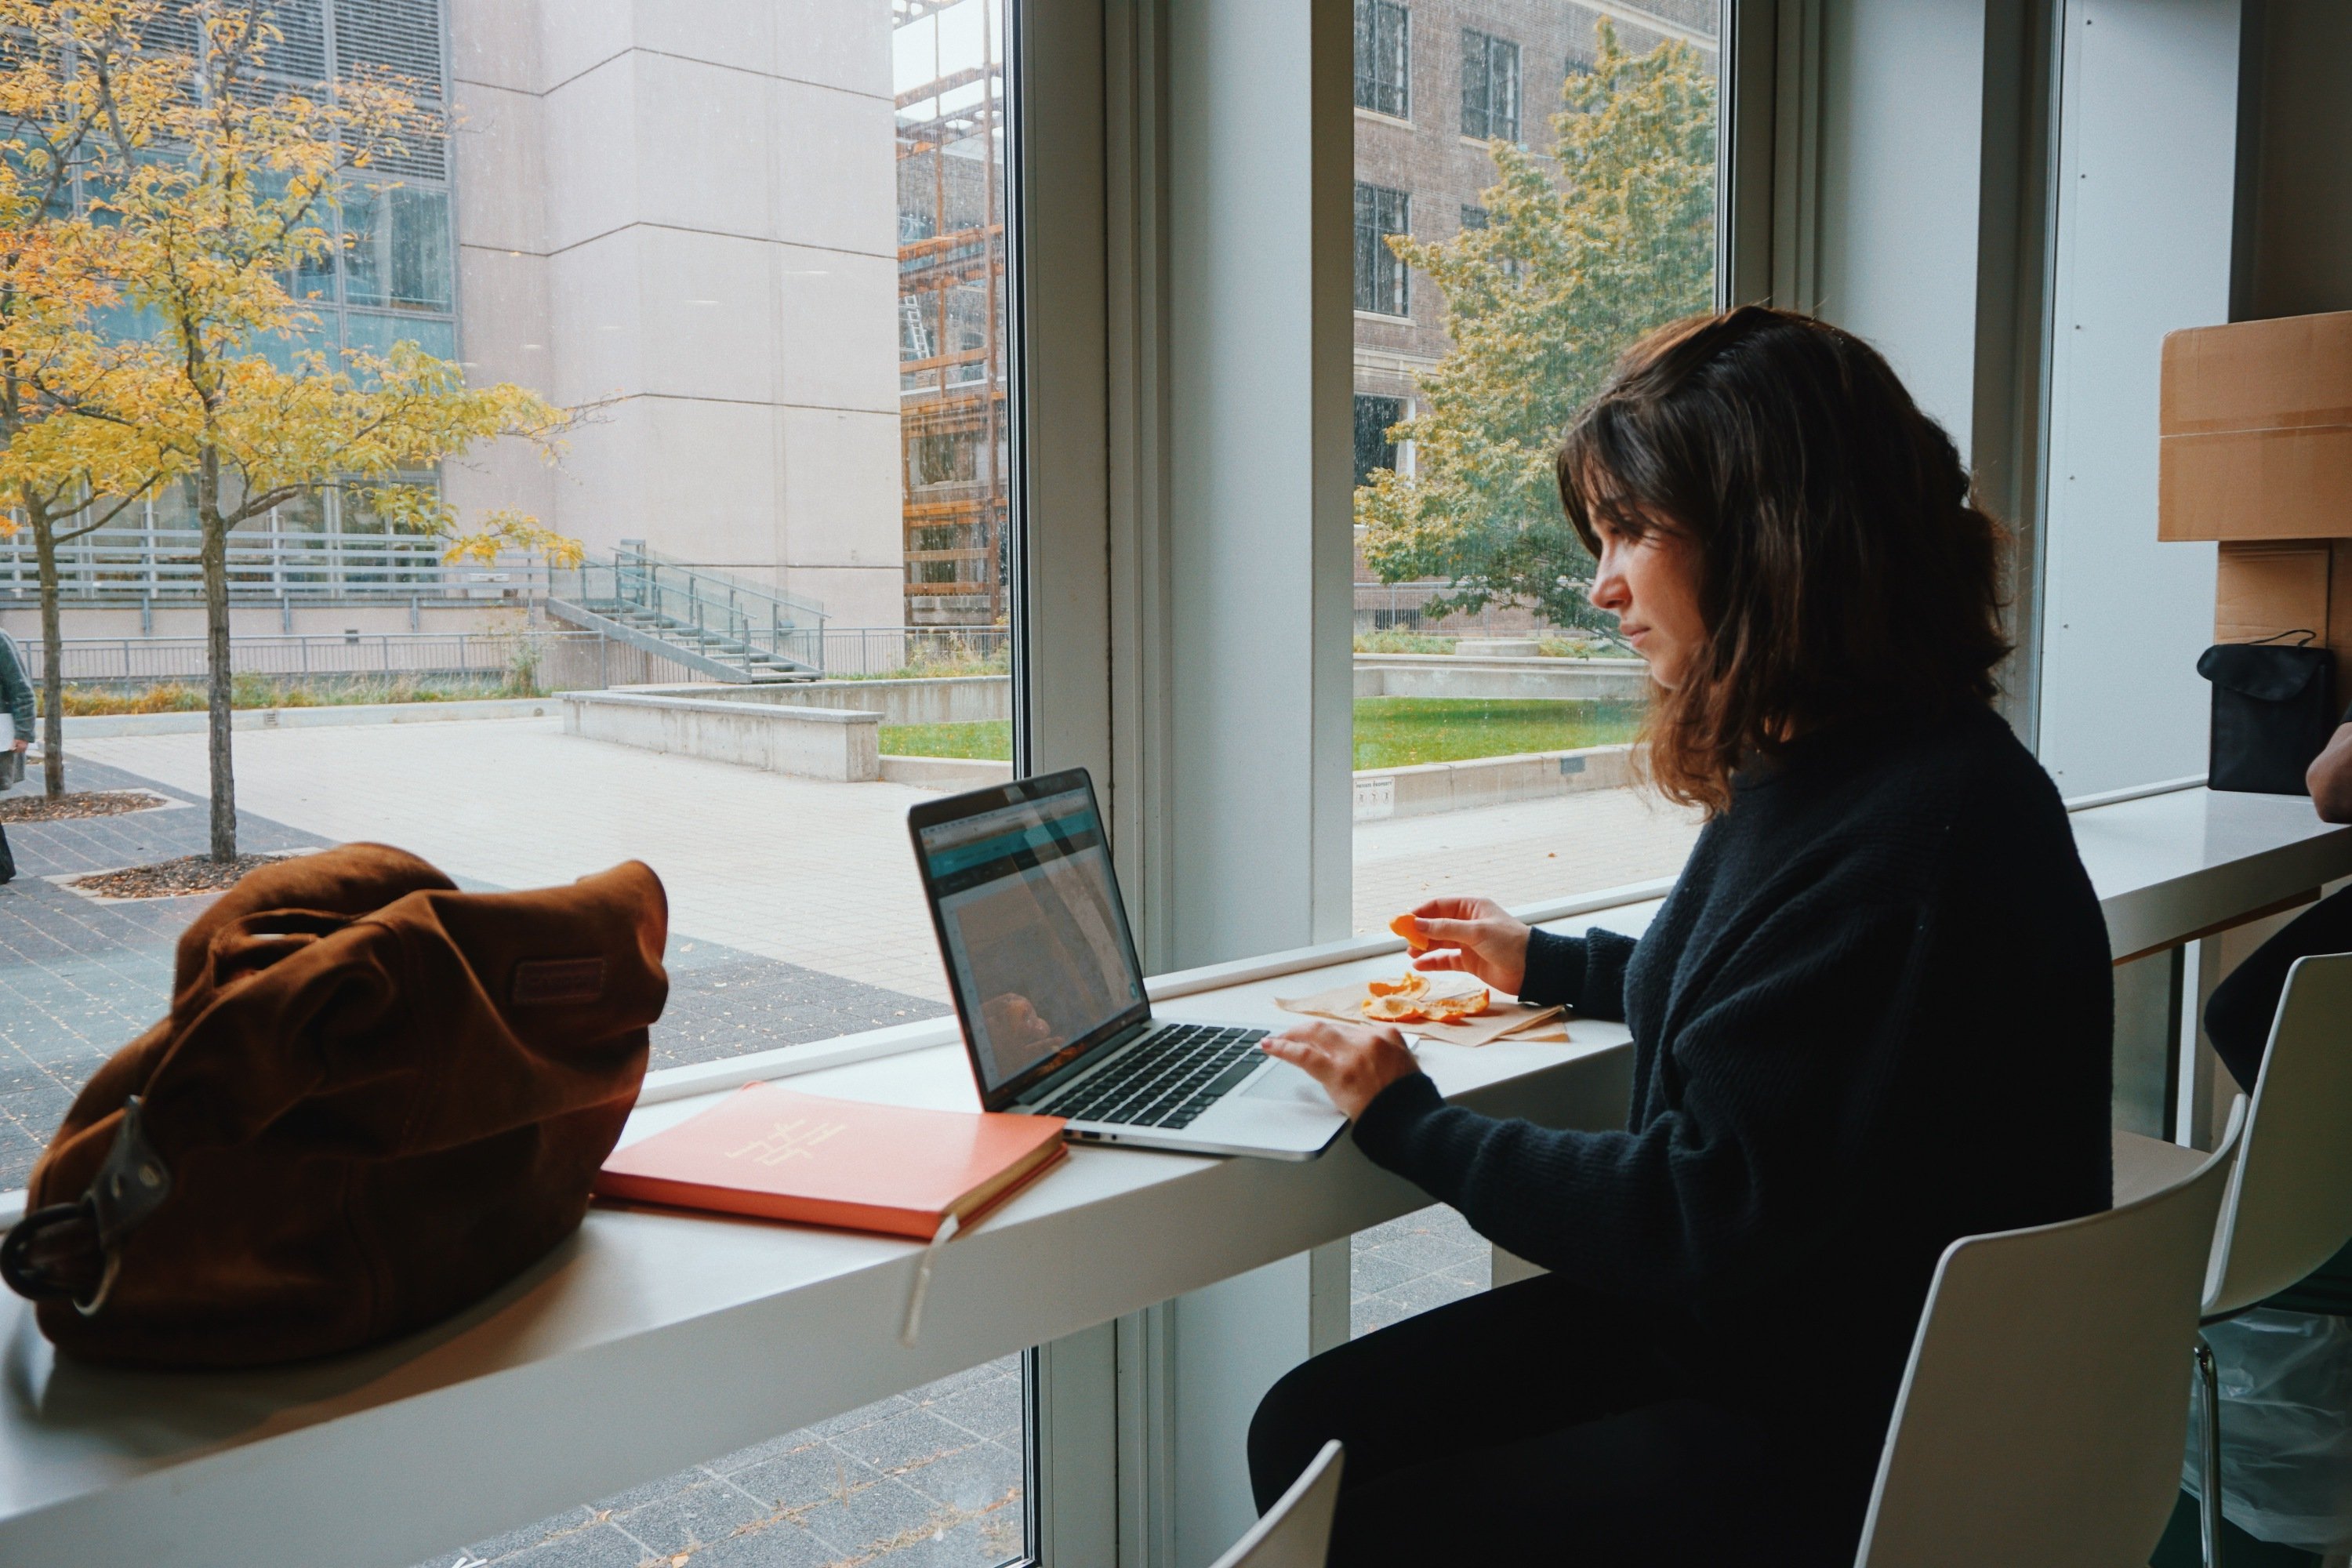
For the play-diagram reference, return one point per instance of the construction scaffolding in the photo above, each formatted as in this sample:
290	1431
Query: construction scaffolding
949	80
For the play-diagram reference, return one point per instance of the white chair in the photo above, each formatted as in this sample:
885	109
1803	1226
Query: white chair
2288	1208
1297	1531
2040	1421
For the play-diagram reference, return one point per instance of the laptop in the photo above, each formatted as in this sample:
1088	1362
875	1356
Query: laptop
1046	983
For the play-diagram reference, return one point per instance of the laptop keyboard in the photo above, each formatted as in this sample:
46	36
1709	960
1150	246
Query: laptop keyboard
1166	1079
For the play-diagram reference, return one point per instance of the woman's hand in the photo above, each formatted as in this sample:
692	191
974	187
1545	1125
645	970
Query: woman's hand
1474	936
1352	1062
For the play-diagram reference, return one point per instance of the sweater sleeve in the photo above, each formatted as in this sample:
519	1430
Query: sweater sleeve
1586	973
1781	1059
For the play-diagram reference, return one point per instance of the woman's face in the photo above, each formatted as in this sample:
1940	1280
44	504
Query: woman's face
1652	585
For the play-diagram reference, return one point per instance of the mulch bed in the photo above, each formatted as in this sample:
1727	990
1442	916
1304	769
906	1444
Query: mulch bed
65	807
170	879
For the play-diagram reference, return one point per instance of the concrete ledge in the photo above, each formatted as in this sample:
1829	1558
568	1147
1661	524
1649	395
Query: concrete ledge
99	726
814	742
941	700
1544	680
945	773
1489	780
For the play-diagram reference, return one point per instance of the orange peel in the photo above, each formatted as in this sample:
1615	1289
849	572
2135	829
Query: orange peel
1414	1000
1412	984
1407	927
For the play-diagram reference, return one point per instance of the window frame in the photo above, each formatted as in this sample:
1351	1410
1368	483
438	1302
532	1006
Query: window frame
1482	54
1373	258
1370	46
1400	410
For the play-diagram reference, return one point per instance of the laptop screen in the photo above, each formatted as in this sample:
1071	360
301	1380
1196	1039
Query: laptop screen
1030	923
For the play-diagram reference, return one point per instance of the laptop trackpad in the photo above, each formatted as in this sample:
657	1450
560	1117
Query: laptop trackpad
1285	1082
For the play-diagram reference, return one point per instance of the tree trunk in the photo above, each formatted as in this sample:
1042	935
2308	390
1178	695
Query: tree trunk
53	675
216	657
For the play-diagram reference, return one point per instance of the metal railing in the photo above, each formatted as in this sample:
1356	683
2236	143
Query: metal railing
565	658
909	652
706	612
133	565
134	662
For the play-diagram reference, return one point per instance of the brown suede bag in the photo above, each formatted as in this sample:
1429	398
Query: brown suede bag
376	1100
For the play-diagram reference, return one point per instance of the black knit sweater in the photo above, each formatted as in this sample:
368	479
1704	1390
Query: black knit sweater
1873	1015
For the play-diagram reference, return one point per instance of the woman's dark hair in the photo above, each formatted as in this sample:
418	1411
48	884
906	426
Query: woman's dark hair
1846	569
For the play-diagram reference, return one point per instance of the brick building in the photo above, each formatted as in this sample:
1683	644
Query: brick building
1435	81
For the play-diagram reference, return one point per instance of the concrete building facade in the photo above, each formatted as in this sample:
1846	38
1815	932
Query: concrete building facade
681	217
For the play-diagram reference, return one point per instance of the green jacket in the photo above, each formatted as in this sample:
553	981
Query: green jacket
15	689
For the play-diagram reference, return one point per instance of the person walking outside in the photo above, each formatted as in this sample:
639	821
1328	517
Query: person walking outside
17	692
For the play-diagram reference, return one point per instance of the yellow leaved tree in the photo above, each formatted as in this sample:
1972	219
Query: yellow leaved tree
219	193
1581	252
62	74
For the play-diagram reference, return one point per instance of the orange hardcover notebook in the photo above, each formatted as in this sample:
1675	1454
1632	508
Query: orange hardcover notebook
769	1152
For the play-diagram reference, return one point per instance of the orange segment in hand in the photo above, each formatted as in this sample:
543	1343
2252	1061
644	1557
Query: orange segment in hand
1408	927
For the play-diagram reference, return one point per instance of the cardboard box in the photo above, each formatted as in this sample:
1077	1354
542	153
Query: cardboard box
2265	589
2256	431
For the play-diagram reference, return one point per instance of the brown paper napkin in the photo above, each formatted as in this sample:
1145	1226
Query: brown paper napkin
1517	1019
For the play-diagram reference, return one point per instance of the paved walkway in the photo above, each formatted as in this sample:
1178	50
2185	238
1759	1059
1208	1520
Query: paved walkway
762	862
1518	854
819	875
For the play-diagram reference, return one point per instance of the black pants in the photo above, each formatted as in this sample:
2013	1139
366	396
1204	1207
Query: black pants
1538	1423
2238	1016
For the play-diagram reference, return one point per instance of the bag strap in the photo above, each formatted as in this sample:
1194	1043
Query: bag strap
2305	633
74	1250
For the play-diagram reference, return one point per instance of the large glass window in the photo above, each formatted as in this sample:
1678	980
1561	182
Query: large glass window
1381	282
761	267
1494	711
1375	448
1384	58
1490	86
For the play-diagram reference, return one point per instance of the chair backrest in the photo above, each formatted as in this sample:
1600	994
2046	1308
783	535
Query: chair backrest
2289	1204
2042	1417
1297	1531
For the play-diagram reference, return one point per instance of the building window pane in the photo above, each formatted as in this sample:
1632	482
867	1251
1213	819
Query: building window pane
1384	58
1490	87
1374	450
396	249
1380	271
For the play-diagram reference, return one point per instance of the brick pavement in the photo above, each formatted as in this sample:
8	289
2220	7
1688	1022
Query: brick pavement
931	1479
78	977
1411	1264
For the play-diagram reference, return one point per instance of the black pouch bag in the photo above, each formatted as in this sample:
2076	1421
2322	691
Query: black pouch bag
2274	709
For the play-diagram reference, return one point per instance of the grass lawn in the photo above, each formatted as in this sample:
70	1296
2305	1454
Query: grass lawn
265	691
1399	732
991	739
1390	732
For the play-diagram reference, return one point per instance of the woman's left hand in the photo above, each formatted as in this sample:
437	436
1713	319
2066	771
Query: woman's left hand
1351	1061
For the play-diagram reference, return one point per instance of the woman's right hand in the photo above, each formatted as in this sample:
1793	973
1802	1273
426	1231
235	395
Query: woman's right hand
1474	936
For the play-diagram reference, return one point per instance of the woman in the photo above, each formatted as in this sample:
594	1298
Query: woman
17	693
1873	1015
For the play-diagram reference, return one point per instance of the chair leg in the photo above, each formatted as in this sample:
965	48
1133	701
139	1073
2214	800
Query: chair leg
2208	1509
